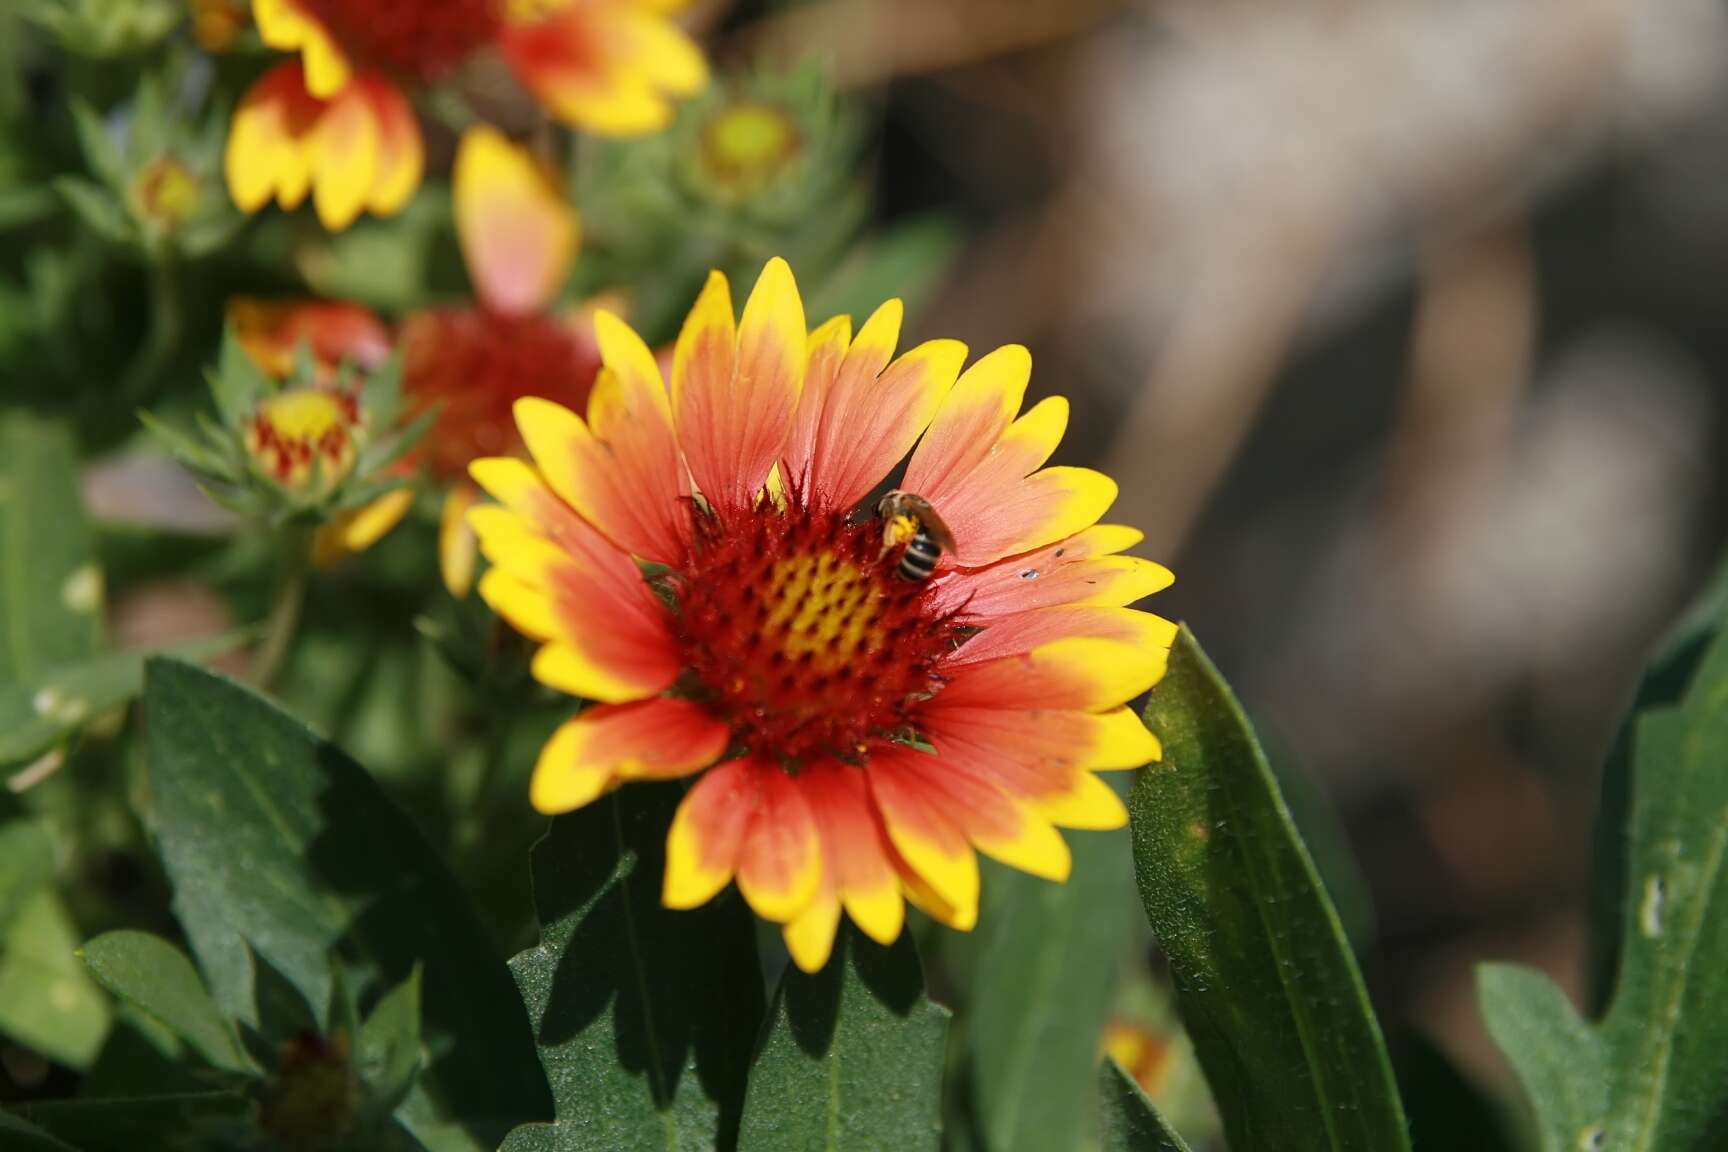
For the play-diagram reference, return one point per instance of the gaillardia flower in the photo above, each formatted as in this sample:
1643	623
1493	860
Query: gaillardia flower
694	560
336	124
518	237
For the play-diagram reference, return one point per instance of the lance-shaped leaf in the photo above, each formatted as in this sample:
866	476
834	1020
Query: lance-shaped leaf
853	1060
23	1136
645	1017
1653	1072
1265	981
279	844
1127	1121
50	588
1050	957
156	978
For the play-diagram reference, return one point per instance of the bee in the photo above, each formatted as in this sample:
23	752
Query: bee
910	520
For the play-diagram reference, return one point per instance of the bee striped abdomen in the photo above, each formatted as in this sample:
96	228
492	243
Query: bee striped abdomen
918	562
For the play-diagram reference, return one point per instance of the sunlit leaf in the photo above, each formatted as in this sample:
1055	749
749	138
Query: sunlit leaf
1652	1073
1265	980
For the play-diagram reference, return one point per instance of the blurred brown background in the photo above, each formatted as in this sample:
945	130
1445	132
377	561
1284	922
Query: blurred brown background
1399	322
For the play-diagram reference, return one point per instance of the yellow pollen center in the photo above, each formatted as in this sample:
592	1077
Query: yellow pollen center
301	434
824	610
302	414
748	144
166	192
533	11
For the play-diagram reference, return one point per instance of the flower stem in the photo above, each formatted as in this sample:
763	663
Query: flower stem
284	619
161	340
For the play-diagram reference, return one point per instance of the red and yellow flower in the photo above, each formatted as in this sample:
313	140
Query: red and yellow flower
857	738
518	238
335	124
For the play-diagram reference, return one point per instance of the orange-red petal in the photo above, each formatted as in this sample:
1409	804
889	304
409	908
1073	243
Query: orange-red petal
981	468
707	833
619	468
1081	569
650	739
608	66
859	414
780	861
734	392
928	841
271	331
1023	632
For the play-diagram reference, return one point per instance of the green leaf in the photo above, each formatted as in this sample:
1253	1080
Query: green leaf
1653	1072
156	978
22	1136
26	865
45	709
98	210
47	1001
1664	683
192	1120
1264	977
50	587
1127	1121
853	1059
646	1017
389	1051
907	259
1053	954
98	145
330	864
237	383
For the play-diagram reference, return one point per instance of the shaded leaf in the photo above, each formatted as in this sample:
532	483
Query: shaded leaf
331	864
389	1049
50	588
1051	957
46	708
26	864
114	1124
97	209
155	977
1127	1121
1264	978
646	1017
1447	1110
1653	1072
853	1059
23	1136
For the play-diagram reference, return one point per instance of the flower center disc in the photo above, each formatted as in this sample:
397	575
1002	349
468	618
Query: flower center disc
290	430
800	639
420	40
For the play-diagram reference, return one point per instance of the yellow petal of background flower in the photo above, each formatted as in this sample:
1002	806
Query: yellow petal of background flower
517	232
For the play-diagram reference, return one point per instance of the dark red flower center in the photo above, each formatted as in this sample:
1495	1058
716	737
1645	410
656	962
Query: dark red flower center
801	638
476	364
410	37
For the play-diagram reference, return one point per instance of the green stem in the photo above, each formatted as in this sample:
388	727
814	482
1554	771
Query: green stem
284	619
161	340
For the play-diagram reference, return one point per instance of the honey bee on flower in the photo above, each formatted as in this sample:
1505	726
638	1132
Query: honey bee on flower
777	659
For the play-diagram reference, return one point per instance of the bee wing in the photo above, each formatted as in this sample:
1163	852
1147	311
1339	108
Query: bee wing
936	527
